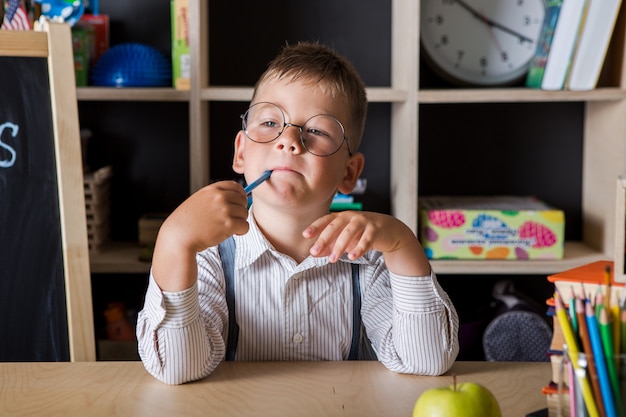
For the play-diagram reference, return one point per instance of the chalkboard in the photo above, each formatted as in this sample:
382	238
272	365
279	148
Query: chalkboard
45	290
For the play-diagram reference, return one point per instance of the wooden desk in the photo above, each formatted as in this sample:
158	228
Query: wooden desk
89	389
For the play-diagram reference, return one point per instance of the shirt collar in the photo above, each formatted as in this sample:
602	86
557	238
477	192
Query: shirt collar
254	244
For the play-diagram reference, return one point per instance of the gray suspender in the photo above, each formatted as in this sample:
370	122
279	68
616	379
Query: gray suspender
227	254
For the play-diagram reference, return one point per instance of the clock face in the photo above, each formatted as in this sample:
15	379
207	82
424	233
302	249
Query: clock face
481	42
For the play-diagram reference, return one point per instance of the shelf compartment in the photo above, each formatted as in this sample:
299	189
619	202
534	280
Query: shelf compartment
576	254
118	258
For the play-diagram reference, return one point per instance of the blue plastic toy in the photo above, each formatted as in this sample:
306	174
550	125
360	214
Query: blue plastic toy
68	11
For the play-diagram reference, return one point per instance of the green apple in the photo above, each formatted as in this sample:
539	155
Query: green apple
463	400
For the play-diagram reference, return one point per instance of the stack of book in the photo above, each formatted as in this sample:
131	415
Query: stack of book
572	44
181	61
343	202
587	302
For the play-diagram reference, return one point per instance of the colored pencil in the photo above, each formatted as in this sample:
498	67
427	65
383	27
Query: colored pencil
600	360
572	314
606	338
623	330
591	365
257	182
573	351
616	327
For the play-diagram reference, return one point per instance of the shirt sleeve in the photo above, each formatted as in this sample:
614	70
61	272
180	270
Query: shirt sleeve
181	334
411	322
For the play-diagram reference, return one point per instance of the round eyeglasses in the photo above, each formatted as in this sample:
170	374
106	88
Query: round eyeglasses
321	135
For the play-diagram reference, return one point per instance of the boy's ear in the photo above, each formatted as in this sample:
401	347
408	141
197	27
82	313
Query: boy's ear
240	141
354	168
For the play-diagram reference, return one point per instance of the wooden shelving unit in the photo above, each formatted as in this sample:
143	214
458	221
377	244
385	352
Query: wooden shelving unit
604	136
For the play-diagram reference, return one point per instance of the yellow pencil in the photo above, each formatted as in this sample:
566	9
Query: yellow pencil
616	326
572	351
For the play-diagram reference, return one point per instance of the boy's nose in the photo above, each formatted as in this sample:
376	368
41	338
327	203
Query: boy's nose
290	139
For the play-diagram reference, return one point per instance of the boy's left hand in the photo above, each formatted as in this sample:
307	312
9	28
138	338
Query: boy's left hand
356	232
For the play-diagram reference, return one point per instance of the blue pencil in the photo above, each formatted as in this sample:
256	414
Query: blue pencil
600	360
258	181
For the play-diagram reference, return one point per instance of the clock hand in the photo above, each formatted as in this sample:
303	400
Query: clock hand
502	54
491	23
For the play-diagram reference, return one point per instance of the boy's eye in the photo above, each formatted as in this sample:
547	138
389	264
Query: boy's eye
316	132
270	123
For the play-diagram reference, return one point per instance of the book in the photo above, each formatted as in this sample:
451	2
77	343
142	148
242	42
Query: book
538	63
181	64
571	20
586	281
355	205
593	45
100	24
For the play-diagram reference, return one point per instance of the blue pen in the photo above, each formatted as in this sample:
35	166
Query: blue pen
258	181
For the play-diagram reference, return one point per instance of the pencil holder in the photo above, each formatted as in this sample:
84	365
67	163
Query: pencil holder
589	385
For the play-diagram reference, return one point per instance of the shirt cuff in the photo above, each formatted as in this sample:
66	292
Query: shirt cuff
171	309
416	294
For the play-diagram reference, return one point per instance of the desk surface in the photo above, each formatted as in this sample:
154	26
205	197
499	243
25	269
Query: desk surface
253	388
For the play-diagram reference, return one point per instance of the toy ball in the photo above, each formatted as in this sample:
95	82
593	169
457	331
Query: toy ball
132	65
68	11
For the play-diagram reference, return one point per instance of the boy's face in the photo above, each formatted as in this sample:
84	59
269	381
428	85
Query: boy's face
299	179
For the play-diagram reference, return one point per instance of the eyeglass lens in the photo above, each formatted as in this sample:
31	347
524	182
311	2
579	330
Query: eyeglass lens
321	135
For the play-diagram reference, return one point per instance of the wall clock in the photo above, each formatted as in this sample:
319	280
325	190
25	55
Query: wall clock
480	42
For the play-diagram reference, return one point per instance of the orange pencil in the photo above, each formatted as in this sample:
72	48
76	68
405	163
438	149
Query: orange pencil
586	344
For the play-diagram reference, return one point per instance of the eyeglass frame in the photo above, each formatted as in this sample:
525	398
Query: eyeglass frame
300	128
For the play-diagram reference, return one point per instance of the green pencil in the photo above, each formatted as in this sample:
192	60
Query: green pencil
606	335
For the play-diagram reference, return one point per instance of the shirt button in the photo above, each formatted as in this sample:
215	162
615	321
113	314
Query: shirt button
298	338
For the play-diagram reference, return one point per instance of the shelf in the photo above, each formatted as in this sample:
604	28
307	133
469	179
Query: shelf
374	94
516	95
118	258
123	257
576	254
131	94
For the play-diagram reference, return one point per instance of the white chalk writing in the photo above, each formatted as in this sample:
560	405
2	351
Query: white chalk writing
7	163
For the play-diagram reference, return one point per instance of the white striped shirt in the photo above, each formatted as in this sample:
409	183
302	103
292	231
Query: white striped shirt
289	311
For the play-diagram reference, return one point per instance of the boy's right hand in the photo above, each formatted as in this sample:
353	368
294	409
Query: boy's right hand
205	219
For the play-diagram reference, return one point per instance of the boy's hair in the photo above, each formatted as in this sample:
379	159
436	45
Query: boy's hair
322	65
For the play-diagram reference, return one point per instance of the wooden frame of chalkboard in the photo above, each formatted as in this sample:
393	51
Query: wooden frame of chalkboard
45	281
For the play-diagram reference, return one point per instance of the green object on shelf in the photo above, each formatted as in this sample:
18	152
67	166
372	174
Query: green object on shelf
356	205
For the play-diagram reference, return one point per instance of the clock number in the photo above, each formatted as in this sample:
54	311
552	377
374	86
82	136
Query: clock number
459	58
443	41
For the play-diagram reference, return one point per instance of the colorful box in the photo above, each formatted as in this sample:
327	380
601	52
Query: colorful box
100	26
500	227
181	65
82	45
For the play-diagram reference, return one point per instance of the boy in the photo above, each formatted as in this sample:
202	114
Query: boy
305	284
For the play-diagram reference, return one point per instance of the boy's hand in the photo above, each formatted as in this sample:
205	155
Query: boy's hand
356	232
206	218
